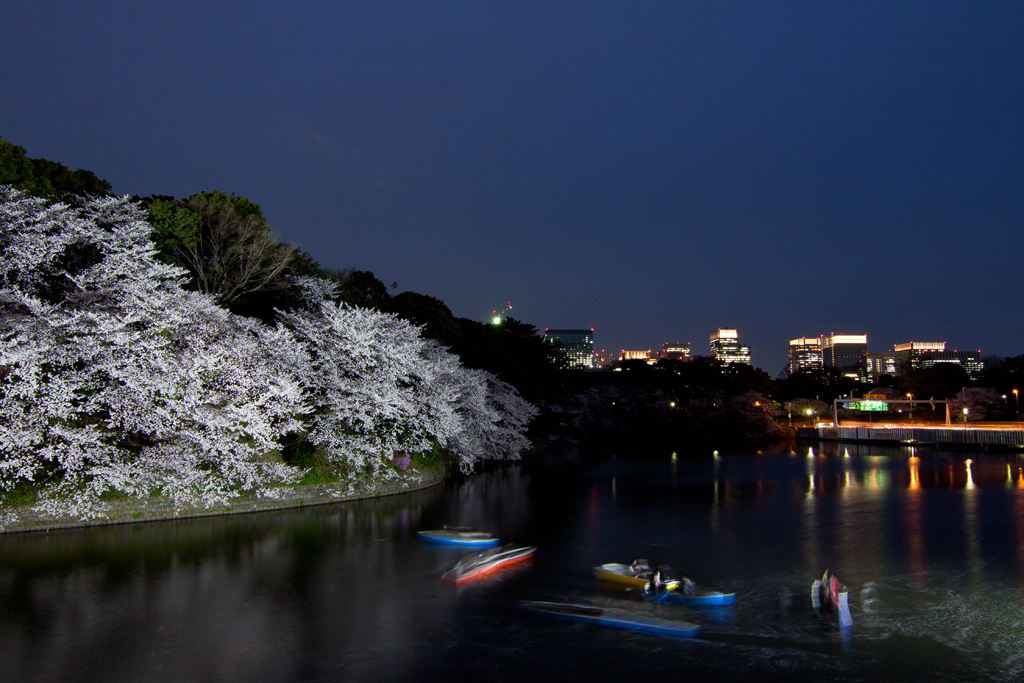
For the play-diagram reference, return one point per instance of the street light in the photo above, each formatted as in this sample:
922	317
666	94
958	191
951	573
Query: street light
911	397
1016	397
965	417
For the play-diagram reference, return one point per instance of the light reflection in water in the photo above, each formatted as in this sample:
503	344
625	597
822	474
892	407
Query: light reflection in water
714	506
812	551
974	560
914	524
1018	507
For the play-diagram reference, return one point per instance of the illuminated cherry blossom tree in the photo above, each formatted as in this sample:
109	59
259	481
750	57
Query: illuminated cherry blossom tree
112	377
378	388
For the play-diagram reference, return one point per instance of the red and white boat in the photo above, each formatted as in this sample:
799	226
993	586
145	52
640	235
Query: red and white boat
486	563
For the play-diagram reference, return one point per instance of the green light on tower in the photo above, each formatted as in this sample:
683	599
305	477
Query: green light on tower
496	320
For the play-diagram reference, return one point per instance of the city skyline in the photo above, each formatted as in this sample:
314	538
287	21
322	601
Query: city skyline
651	171
814	359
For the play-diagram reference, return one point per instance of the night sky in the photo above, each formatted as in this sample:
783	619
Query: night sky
654	172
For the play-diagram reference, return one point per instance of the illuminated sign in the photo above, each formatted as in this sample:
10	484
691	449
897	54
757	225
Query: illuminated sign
879	406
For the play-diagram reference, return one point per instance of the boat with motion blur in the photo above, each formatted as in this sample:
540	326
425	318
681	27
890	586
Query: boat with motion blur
694	597
486	563
613	617
638	574
459	536
828	594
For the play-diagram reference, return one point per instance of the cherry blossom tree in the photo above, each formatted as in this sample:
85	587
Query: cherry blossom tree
112	377
378	389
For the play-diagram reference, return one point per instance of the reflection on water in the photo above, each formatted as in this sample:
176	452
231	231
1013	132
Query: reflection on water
255	597
930	544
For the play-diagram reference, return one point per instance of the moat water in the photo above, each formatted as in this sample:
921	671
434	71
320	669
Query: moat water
930	546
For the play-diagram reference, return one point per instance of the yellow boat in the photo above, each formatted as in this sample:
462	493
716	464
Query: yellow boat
630	576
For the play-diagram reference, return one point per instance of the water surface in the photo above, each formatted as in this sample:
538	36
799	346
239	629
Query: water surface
931	547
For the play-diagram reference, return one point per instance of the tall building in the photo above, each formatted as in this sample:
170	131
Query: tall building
909	355
804	355
844	352
675	351
929	354
725	346
878	363
577	345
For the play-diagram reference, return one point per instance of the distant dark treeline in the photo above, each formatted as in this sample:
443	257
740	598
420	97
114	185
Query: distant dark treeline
225	244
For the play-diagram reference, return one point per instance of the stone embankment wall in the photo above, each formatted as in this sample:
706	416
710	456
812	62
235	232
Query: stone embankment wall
133	510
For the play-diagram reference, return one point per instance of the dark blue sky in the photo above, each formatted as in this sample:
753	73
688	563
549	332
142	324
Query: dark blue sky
652	171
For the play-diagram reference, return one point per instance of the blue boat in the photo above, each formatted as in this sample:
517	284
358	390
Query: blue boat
613	617
698	597
477	539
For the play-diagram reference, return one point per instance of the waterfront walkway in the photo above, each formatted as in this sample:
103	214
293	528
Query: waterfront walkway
976	437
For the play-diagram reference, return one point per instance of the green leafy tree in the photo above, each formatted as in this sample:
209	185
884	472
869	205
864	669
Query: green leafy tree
224	243
45	178
361	288
515	352
431	314
15	167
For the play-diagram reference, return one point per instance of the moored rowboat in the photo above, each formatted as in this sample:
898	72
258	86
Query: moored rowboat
612	617
479	539
697	597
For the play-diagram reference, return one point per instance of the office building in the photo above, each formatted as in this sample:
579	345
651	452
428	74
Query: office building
725	346
928	354
804	355
675	351
878	363
577	345
908	355
844	352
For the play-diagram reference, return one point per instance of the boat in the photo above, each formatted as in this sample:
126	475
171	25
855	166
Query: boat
829	594
479	539
636	575
697	597
613	617
487	562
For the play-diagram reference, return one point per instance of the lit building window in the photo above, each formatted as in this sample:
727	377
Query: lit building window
577	345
